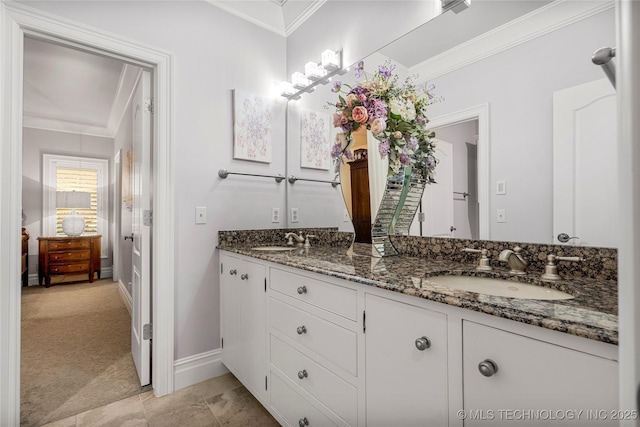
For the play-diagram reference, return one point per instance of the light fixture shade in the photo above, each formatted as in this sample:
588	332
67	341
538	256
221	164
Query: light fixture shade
330	60
73	199
286	89
299	80
73	224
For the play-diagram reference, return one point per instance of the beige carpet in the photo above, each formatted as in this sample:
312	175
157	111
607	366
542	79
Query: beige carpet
76	350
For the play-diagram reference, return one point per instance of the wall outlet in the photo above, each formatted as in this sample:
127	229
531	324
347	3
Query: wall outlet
201	215
294	215
275	215
345	216
501	215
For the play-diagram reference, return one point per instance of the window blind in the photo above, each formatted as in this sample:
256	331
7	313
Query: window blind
78	179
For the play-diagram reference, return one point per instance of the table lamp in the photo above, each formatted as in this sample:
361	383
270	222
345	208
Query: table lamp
73	224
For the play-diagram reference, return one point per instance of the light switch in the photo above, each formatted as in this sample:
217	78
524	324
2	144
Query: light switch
501	187
201	215
345	216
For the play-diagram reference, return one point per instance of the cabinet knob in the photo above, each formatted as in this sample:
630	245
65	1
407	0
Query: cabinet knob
301	330
303	422
244	276
303	374
423	343
302	290
488	367
233	272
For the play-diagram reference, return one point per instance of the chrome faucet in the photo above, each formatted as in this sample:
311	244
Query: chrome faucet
291	236
514	259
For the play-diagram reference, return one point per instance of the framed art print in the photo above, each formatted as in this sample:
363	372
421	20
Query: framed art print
252	127
315	140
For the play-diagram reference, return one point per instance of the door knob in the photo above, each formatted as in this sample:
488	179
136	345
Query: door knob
423	343
564	237
303	422
302	290
301	330
488	367
129	237
303	374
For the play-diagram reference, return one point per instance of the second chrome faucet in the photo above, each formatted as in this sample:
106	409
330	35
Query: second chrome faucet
514	259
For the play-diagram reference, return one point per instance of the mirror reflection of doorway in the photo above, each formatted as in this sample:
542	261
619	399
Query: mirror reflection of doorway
450	207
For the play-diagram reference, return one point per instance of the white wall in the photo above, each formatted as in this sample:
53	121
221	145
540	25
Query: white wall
518	85
215	52
35	143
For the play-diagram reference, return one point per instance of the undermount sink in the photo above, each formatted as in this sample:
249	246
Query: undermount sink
499	287
273	248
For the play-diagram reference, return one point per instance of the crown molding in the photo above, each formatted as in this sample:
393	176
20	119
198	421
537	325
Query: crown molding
310	10
129	78
551	17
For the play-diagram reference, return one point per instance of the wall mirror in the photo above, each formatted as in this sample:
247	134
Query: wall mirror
510	90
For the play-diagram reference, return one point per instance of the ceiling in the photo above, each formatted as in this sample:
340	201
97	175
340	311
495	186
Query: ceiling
71	90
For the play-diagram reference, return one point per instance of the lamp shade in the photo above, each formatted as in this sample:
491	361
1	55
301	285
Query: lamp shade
73	199
73	224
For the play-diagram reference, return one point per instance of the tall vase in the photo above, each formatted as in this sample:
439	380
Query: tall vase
398	208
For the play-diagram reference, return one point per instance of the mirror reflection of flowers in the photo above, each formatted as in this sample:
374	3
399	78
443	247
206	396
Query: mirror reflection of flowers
394	113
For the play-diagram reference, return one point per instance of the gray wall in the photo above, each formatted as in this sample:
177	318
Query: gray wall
215	52
35	143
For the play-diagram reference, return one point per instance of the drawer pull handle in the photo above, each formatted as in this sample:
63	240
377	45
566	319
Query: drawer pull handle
303	422
423	343
233	272
488	367
244	276
301	330
302	290
303	374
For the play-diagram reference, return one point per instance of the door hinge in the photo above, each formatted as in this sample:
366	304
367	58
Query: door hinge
147	330
421	217
364	322
147	217
222	342
148	104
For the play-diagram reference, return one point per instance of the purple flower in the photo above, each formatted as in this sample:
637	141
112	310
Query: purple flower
412	144
359	90
430	162
337	85
348	154
359	70
384	147
346	127
376	108
386	70
336	150
405	159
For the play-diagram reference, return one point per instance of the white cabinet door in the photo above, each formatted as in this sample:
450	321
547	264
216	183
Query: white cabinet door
536	383
405	386
243	321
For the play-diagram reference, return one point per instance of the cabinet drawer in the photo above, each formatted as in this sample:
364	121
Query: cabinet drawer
83	255
61	245
80	267
329	340
293	407
332	391
330	297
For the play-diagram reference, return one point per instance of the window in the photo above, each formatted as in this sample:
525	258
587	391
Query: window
65	173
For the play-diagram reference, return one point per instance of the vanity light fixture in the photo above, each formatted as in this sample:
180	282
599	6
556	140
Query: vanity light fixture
455	5
314	74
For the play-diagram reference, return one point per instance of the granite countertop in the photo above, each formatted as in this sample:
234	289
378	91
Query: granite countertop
592	313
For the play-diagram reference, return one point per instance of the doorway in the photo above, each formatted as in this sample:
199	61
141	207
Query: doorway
22	21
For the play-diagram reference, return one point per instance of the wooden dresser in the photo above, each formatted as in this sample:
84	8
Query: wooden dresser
68	256
360	205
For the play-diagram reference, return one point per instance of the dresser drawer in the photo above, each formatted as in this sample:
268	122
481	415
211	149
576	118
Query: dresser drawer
332	391
330	297
63	245
329	340
294	408
57	257
76	268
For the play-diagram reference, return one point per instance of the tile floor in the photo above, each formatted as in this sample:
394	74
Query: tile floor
218	402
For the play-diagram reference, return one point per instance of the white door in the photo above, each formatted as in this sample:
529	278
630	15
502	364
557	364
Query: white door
585	181
141	188
437	199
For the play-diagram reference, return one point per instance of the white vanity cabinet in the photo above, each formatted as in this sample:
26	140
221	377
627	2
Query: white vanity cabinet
243	321
406	364
510	379
313	353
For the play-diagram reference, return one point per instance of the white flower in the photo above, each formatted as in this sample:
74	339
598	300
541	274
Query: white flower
403	108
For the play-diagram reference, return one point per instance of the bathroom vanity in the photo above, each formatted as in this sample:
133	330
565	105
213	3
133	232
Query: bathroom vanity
322	338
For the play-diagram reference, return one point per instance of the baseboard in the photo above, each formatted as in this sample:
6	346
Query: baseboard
200	367
124	293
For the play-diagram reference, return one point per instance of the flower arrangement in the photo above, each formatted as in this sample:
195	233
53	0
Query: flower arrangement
394	113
